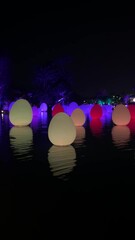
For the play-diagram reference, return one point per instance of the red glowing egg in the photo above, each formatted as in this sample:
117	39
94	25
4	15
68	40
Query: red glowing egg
131	109
57	109
96	111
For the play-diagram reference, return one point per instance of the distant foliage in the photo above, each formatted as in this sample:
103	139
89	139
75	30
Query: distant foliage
54	81
4	78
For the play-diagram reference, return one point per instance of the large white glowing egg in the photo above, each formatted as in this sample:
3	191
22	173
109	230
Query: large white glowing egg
78	117
21	113
121	115
61	131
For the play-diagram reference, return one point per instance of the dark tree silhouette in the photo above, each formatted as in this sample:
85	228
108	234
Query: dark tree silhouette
54	81
4	79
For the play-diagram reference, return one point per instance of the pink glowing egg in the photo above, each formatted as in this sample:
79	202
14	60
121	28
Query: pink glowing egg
121	115
78	117
96	111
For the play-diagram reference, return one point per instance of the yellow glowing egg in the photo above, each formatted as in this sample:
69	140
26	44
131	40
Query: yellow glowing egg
121	115
21	113
61	131
78	117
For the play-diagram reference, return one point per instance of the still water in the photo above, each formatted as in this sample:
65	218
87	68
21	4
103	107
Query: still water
94	176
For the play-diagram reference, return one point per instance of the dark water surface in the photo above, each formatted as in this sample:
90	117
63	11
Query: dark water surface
84	190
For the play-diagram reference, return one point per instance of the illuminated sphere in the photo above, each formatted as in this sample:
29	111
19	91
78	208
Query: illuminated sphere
96	111
121	115
57	109
61	131
43	107
78	117
131	109
21	113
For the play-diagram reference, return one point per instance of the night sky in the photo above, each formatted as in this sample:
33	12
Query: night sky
102	47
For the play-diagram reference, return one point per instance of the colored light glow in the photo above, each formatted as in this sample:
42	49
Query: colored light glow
131	109
62	160
72	107
78	117
10	105
35	111
96	127
21	113
61	131
96	111
121	115
120	135
57	109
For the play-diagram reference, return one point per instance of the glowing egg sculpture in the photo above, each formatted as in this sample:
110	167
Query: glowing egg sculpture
57	109
78	117
131	109
121	115
21	113
43	107
96	111
61	131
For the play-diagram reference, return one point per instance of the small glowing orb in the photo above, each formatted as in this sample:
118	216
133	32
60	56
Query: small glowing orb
62	160
43	107
121	115
96	111
78	117
21	142
131	109
57	109
120	135
72	107
96	127
10	105
21	113
61	131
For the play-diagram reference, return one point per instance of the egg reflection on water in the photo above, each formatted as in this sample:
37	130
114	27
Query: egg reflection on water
21	140
62	160
120	135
